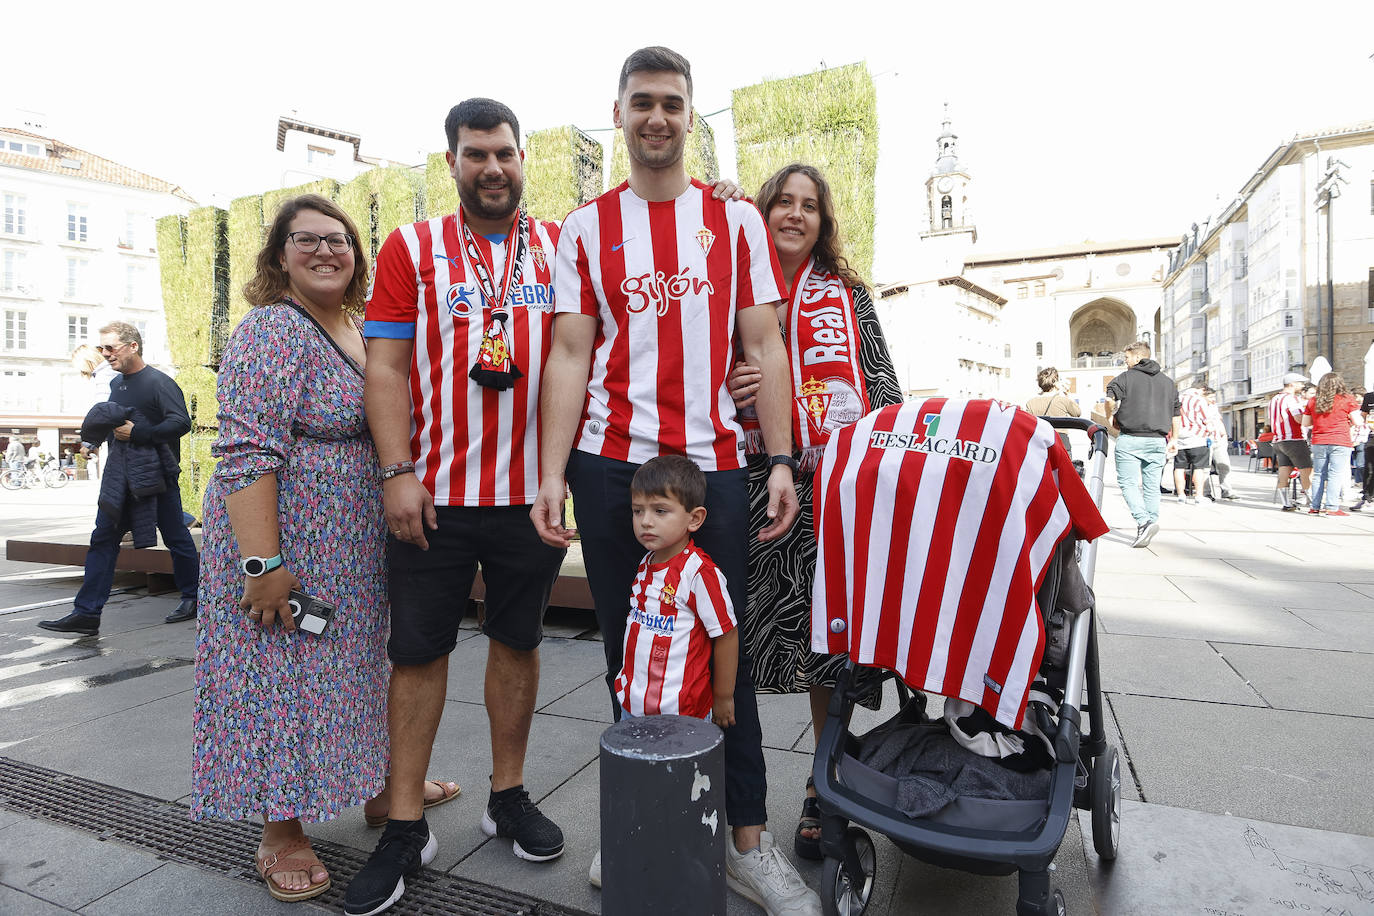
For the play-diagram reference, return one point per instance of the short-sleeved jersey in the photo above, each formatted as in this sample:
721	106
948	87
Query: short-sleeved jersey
676	609
472	446
935	522
1285	416
665	279
1194	426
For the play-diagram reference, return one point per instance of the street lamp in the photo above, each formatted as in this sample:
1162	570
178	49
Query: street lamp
1328	189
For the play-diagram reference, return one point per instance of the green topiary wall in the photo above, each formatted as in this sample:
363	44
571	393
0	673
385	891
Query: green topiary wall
828	119
699	156
246	233
562	171
441	195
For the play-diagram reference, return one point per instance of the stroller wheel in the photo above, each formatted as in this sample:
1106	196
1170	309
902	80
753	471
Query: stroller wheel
1054	906
845	894
1106	804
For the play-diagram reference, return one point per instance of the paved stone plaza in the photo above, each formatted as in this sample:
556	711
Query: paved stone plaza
1236	653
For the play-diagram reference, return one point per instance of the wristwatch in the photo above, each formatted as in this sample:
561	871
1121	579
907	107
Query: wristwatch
783	459
256	566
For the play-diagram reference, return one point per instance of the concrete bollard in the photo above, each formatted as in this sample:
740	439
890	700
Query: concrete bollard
662	817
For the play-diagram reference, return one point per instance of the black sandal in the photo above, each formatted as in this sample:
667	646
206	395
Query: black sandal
805	846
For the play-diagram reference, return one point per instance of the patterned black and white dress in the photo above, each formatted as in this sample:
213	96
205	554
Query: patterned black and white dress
777	625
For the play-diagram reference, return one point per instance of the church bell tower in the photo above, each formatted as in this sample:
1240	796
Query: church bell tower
947	192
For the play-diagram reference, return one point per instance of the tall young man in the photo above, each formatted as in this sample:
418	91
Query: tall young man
1290	448
159	418
1144	406
655	282
459	320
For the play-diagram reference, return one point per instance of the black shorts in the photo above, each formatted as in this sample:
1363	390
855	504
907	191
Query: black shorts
430	588
1193	459
1293	453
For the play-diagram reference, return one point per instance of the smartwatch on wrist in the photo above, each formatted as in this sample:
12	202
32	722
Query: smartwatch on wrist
788	460
256	566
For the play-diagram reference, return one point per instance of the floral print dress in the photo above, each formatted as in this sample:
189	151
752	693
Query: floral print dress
292	724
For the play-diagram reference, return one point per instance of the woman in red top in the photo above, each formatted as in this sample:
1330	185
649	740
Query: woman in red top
1333	414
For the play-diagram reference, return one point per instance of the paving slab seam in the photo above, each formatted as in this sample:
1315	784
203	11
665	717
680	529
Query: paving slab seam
1267	645
227	848
594	677
1125	751
1228	664
1268	707
56	601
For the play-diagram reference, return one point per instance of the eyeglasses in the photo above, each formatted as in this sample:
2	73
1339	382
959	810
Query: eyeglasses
309	242
105	351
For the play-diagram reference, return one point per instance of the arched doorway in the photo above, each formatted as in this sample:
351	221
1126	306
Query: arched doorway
1099	331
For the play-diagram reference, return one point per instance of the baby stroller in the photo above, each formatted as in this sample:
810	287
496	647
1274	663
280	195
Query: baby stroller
1003	573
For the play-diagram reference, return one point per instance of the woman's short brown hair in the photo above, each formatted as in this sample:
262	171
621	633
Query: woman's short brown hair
270	280
1048	377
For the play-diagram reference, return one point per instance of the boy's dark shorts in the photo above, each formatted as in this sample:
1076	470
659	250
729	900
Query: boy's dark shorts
1193	459
430	588
1293	453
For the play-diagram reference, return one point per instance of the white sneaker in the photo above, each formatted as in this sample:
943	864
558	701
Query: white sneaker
594	873
766	877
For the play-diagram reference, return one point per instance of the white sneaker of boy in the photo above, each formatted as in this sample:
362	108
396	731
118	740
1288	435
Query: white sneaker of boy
766	877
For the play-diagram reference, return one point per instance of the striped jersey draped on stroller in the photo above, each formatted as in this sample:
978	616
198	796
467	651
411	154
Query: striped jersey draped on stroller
956	551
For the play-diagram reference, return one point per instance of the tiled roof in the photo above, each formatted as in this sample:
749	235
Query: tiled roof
63	159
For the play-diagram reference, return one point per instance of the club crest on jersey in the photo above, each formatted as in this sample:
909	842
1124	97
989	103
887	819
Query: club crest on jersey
668	596
463	300
926	439
662	291
705	238
537	254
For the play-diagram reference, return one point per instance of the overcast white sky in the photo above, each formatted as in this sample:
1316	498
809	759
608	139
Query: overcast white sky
1078	120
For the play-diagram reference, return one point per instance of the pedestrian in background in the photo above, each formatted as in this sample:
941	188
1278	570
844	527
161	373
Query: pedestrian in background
1054	401
1333	415
1143	404
1221	452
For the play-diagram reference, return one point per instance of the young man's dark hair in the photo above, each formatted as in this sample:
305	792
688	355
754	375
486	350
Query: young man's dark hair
674	476
1047	378
479	114
656	59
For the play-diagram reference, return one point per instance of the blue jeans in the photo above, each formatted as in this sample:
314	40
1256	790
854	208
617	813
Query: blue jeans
1330	475
1139	462
104	552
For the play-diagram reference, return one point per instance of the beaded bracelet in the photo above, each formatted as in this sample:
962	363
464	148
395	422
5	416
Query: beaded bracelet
397	469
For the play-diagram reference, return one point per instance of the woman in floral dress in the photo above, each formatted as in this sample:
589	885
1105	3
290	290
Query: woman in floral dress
291	725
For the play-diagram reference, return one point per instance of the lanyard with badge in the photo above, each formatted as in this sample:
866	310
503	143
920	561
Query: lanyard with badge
495	366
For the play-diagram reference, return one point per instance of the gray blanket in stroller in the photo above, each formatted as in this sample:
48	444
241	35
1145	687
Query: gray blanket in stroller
932	769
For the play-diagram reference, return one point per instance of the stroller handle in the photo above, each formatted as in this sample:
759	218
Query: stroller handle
1097	433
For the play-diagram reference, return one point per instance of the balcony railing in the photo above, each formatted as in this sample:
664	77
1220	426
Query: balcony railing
1098	362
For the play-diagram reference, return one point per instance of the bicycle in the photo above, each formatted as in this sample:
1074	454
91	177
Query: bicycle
28	476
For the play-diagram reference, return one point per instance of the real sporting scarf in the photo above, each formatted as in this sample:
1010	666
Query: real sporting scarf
822	336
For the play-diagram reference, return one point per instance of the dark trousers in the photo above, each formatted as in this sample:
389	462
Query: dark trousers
1368	489
104	552
601	499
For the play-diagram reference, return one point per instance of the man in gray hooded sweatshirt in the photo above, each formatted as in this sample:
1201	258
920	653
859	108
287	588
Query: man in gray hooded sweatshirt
1144	406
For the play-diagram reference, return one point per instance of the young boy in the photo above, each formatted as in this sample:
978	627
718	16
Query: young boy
681	645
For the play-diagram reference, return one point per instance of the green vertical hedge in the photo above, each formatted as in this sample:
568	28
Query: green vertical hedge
562	171
828	119
246	234
441	195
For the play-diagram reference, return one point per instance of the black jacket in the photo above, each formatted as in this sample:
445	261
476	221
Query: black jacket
1147	400
139	473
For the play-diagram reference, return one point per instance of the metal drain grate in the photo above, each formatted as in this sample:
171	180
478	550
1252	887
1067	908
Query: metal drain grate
166	829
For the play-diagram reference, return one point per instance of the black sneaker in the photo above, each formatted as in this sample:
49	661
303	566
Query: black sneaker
80	624
405	848
510	813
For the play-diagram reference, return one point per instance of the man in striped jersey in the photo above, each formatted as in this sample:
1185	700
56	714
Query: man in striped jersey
459	453
1290	448
655	283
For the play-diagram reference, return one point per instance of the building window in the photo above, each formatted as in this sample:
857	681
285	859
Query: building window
76	278
12	278
1039	287
15	218
133	230
133	283
21	146
12	388
318	154
16	330
1022	291
1039	348
1006	351
77	330
78	216
946	212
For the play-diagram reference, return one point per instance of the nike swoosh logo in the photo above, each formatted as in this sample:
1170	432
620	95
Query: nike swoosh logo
615	248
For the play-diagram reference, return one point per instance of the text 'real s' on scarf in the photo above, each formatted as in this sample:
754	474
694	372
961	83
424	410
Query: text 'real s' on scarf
822	336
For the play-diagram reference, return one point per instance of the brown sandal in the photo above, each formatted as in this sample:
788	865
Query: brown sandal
450	790
282	860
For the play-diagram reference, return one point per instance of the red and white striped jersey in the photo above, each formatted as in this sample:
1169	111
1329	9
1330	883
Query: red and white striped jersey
1285	416
935	521
1192	415
472	446
666	280
676	609
1216	426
